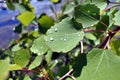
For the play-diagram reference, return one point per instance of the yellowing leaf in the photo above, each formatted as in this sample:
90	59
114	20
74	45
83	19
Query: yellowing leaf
26	18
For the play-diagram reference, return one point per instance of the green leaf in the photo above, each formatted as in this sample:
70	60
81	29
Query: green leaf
39	46
21	57
115	45
102	25
27	77
36	62
63	37
26	18
15	67
21	8
48	56
4	69
116	18
90	36
46	21
101	65
10	5
55	1
69	8
16	47
87	14
99	3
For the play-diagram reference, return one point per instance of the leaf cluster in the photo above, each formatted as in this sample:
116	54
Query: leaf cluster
79	43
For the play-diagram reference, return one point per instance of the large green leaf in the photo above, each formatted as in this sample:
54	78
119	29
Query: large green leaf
116	18
87	14
21	57
4	69
26	18
63	37
39	46
99	3
101	65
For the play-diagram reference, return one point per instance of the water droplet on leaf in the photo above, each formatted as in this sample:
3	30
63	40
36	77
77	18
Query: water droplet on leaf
79	35
56	29
38	53
65	39
51	39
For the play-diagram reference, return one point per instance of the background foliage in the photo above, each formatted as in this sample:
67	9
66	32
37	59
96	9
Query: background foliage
79	43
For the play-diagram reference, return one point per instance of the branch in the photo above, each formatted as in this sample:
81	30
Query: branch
108	38
68	75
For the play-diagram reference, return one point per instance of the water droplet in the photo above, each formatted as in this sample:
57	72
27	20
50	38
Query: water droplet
65	39
79	35
92	25
46	40
38	53
56	29
51	39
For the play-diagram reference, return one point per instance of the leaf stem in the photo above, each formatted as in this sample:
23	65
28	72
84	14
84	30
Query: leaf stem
68	75
81	43
108	38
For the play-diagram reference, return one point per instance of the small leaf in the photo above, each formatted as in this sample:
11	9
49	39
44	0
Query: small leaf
26	18
22	57
4	69
39	46
87	14
16	47
90	36
36	62
116	18
101	65
48	56
63	37
46	21
55	1
69	8
15	67
27	77
115	45
10	5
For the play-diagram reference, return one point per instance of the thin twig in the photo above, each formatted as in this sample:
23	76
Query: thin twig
68	75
